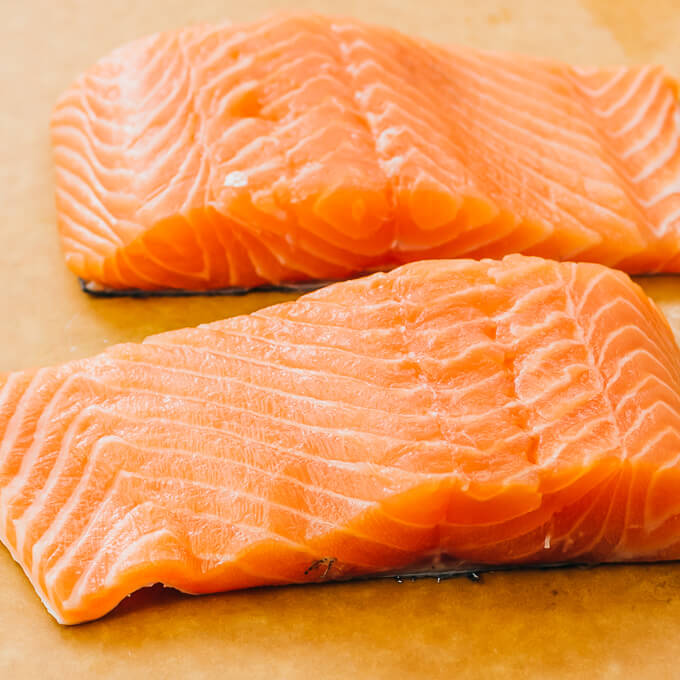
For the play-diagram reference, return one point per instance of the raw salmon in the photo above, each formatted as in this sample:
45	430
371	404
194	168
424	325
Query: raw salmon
302	148
496	412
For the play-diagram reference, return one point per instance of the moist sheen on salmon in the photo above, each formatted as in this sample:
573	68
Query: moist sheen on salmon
302	148
519	411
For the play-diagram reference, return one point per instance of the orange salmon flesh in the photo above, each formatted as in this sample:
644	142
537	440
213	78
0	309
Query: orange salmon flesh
520	411
302	148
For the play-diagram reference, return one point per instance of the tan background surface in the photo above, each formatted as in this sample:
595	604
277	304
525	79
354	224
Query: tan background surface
613	622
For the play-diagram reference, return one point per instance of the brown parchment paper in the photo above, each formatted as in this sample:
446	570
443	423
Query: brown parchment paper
608	622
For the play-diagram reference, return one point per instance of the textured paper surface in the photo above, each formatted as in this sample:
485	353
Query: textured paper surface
610	622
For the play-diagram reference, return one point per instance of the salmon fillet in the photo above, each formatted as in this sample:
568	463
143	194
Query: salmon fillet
520	411
302	148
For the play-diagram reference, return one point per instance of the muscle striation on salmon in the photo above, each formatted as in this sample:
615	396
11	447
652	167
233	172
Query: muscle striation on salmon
303	148
520	411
